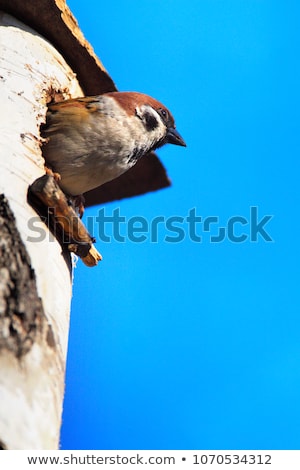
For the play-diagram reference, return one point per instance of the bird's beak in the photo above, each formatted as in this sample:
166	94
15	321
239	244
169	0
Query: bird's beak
173	137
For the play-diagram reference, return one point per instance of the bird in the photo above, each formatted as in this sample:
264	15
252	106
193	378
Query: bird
91	140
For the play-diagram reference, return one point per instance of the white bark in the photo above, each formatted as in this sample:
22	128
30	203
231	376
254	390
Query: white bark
32	386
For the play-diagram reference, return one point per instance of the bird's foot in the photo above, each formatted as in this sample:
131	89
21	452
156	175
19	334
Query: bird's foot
50	172
78	204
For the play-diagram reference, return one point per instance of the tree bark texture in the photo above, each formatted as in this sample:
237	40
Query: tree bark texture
35	273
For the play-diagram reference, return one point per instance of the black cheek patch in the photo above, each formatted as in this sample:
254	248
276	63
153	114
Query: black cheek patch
151	122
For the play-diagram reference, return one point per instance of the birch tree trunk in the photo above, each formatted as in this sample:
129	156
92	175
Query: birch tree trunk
35	276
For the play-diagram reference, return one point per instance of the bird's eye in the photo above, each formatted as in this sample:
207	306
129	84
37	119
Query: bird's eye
163	113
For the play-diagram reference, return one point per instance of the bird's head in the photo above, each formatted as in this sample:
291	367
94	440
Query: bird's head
156	119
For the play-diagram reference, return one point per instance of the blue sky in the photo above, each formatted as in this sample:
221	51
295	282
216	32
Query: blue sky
196	345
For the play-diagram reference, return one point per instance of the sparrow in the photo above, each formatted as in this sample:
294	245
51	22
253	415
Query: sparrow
92	140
